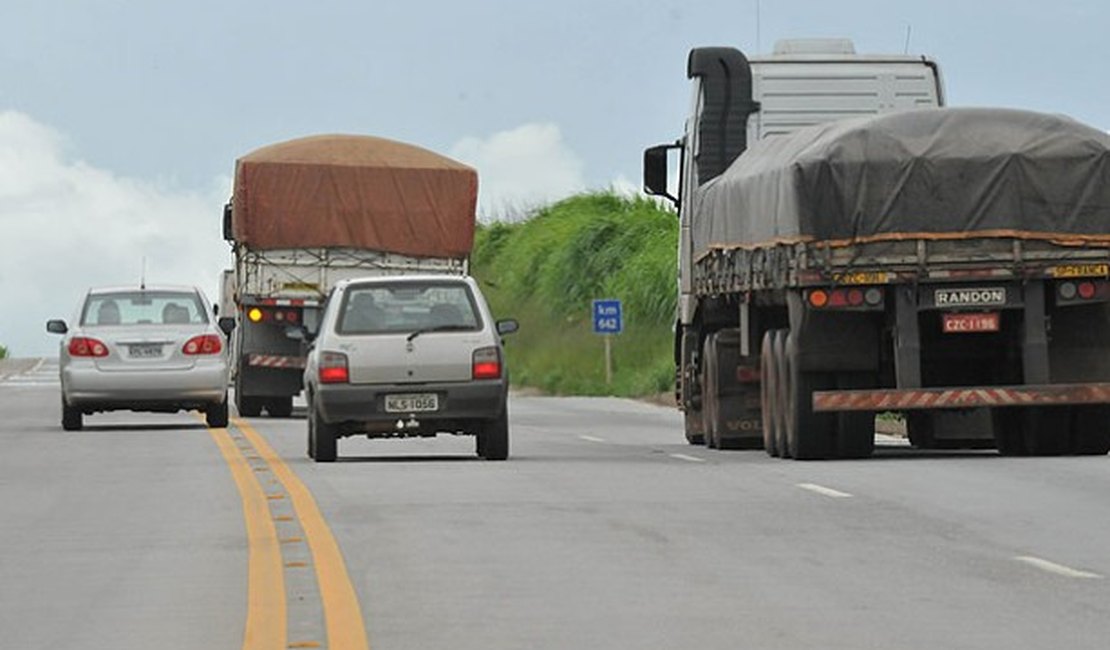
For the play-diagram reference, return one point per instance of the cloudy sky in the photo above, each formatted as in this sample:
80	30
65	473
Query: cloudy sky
120	120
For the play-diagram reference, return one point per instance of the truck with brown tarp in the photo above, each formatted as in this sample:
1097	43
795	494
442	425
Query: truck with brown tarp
309	212
947	264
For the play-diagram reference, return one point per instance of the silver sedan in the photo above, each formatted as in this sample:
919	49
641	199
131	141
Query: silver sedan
143	349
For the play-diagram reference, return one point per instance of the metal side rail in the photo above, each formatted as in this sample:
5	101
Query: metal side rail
895	399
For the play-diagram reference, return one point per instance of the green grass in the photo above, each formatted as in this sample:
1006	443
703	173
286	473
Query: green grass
546	270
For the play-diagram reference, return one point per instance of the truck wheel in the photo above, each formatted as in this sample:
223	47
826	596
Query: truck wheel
692	422
279	407
1091	430
1009	435
322	438
778	352
685	376
72	419
808	435
768	394
215	415
710	407
1047	430
493	439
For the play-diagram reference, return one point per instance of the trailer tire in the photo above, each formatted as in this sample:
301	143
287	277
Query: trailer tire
279	407
808	434
768	378
1009	436
778	399
322	438
1091	430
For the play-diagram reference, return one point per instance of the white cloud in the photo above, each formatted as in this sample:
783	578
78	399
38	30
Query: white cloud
521	168
66	225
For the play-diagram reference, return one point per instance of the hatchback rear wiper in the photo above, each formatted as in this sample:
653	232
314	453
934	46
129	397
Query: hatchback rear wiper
438	328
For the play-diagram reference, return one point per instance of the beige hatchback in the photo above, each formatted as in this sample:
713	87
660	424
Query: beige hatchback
405	356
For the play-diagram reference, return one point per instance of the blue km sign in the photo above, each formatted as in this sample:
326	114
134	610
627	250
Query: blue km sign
607	317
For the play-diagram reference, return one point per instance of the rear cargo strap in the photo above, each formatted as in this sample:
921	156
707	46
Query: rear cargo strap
950	398
275	361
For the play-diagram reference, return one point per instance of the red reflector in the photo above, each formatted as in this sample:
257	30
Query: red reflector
855	297
84	346
203	344
837	298
818	298
747	374
1086	290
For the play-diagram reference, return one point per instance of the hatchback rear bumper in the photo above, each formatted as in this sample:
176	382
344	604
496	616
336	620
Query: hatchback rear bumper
477	400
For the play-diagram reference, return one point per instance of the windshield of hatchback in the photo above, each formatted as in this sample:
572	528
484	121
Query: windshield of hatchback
408	307
143	308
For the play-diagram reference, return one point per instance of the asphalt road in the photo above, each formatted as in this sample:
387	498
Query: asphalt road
604	530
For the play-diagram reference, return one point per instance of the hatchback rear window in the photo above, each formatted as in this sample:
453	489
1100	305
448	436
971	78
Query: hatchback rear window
407	307
144	308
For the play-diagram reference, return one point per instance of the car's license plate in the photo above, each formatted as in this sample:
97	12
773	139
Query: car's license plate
412	403
976	322
145	351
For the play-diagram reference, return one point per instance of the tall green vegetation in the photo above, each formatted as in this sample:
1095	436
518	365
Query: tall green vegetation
3	352
546	270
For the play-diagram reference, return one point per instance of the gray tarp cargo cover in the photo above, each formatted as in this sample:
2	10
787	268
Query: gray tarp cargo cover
354	192
925	173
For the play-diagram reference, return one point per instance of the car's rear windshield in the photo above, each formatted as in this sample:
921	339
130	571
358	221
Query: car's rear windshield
383	308
144	308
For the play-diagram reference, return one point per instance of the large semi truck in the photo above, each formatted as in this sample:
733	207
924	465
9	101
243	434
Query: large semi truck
310	212
849	246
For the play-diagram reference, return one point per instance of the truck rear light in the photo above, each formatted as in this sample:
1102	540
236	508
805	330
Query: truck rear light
486	363
1086	290
84	346
852	298
333	368
203	344
254	314
818	298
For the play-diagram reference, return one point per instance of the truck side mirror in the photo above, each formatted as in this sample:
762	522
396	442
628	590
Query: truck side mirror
655	170
227	222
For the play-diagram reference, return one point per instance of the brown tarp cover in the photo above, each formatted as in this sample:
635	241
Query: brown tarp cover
931	173
354	192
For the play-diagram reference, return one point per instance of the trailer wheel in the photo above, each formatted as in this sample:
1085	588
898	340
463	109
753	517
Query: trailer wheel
710	407
808	435
1091	430
778	400
1009	435
1034	431
768	394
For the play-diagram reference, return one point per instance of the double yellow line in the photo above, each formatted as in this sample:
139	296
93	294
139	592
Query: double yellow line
266	627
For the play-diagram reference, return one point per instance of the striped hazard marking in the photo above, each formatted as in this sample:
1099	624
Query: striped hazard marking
275	361
940	398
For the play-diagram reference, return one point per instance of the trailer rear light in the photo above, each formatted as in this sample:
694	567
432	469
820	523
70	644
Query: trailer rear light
855	297
486	363
333	368
203	344
1072	292
818	298
1086	290
850	298
84	346
254	314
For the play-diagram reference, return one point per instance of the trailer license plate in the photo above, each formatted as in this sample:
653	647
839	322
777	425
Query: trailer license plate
412	403
145	351
979	322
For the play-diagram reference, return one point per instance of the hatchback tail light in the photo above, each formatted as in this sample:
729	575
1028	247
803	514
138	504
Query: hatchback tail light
203	344
333	368
84	346
486	363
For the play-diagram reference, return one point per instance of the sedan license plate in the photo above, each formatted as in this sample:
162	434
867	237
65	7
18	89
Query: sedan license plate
145	351
977	322
412	403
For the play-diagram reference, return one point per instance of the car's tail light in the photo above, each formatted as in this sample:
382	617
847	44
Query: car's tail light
84	346
333	368
486	363
203	344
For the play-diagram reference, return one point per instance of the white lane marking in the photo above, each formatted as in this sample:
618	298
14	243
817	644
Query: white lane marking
592	439
692	459
819	489
1058	569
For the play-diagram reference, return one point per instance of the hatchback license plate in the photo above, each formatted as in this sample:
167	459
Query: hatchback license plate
145	351
979	322
412	403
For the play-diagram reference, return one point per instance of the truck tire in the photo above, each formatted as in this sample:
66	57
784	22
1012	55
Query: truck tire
686	377
1034	431
279	407
768	394
1091	430
778	353
215	415
72	418
692	423
710	407
322	438
1009	436
808	435
493	439
248	407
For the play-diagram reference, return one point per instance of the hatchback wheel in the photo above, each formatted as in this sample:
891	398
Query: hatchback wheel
72	419
493	439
